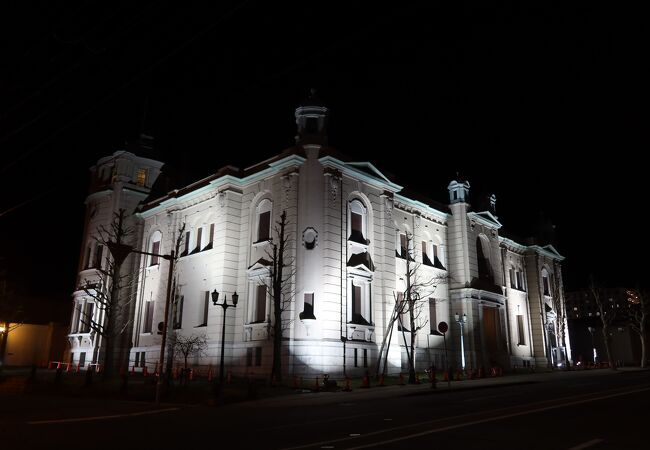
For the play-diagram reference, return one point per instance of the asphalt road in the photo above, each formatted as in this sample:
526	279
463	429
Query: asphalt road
575	410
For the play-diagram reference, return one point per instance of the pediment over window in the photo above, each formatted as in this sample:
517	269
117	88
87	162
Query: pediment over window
361	261
486	218
260	264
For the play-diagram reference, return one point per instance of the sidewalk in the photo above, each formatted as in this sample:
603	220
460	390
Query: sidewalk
325	397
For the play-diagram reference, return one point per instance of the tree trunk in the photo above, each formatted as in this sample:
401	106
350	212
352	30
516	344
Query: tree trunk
412	378
610	359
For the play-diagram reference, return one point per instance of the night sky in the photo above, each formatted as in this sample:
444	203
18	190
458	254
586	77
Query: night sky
545	106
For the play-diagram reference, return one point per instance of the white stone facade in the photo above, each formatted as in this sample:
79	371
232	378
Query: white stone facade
345	220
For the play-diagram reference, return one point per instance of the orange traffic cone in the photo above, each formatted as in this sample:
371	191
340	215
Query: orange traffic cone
366	381
78	367
67	368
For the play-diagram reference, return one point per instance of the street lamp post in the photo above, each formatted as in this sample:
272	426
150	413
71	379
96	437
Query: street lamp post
462	321
120	252
225	306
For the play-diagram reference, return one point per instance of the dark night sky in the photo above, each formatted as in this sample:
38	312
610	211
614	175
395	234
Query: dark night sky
539	104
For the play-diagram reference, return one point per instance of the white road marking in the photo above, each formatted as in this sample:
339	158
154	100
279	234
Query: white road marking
587	444
504	416
355	434
89	419
462	416
332	419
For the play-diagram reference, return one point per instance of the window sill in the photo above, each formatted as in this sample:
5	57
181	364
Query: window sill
262	243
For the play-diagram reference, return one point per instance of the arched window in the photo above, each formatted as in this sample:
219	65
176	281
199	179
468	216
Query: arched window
358	222
154	247
263	219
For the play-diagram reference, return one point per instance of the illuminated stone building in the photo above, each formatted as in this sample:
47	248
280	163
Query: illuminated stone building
351	230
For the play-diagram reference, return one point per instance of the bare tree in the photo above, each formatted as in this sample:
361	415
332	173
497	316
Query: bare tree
559	307
174	310
638	316
413	301
187	346
607	316
279	286
105	289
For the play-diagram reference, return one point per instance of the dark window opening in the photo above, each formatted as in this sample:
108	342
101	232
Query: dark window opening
98	256
264	226
197	249
357	311
258	356
210	238
260	304
425	257
308	307
155	248
356	233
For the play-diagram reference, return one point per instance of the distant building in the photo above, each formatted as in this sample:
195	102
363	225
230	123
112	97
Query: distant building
585	327
353	229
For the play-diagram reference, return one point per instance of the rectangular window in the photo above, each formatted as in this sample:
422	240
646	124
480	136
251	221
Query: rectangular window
186	250
357	316
155	248
71	358
137	359
365	357
402	245
546	286
356	361
98	256
206	307
199	232
148	316
249	356
178	312
258	356
425	256
143	361
404	319
264	226
87	317
141	177
87	258
356	233
82	359
75	319
210	238
308	307
512	278
520	282
433	317
520	330
260	304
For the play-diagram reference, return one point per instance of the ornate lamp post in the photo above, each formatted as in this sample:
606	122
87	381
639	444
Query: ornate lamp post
462	321
225	306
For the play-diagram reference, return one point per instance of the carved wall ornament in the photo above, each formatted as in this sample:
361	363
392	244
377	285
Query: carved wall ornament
310	238
416	220
333	188
388	205
221	198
